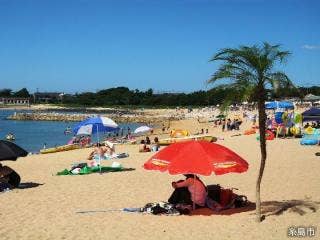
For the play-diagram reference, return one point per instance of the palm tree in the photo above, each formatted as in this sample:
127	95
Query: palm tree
250	70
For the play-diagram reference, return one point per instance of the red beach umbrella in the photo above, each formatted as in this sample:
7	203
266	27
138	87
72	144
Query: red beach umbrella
196	157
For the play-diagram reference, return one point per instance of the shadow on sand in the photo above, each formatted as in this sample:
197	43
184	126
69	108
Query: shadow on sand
208	212
116	170
26	185
276	208
269	208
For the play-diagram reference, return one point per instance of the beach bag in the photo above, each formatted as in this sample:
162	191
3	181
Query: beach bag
14	179
214	192
226	197
122	155
156	210
229	199
240	201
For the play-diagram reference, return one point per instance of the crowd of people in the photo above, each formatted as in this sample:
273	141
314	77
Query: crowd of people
228	124
82	140
147	146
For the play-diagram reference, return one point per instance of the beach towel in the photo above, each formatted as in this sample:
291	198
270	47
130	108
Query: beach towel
116	156
160	208
88	170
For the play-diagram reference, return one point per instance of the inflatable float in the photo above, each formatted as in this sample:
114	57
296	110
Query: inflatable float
309	130
168	141
179	133
249	131
60	148
309	141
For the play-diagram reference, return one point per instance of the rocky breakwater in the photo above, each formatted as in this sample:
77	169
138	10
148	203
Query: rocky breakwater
76	117
40	116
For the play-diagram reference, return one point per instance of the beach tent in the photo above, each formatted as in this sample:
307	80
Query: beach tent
282	104
313	114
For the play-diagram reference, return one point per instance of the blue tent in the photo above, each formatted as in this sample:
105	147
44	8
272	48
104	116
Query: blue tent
313	114
282	104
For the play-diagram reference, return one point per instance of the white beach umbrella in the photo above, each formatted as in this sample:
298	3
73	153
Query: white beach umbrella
142	129
85	130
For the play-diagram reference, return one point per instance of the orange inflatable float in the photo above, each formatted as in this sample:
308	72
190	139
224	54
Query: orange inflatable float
250	131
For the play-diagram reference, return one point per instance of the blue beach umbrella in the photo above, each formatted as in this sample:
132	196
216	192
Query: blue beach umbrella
95	125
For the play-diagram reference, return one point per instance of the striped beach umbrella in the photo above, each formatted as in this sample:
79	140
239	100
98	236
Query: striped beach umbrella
95	125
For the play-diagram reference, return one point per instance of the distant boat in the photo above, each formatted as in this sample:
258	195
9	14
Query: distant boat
10	137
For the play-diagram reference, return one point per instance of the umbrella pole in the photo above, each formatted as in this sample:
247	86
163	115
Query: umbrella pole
99	147
194	192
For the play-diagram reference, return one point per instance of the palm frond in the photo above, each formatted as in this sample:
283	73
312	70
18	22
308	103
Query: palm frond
250	67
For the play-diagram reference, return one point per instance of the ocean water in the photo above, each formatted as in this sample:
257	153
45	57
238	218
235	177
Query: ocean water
32	135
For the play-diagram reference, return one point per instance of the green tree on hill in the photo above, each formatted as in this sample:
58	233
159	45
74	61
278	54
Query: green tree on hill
5	92
22	93
250	71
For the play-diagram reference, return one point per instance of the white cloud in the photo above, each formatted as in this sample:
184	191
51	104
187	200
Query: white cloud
311	47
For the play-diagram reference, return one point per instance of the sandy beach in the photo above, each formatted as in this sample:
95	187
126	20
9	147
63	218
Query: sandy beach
47	207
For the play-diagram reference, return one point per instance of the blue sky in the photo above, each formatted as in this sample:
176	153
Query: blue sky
87	45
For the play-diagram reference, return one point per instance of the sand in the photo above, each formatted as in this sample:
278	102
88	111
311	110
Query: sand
47	208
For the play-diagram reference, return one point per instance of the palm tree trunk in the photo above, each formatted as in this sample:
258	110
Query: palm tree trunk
262	131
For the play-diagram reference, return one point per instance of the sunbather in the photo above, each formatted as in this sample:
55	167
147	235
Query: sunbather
110	148
155	146
97	154
143	147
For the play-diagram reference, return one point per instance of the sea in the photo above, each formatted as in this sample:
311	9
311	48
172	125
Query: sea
35	135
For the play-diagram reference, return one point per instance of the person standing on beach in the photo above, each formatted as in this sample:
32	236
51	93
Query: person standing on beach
223	124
